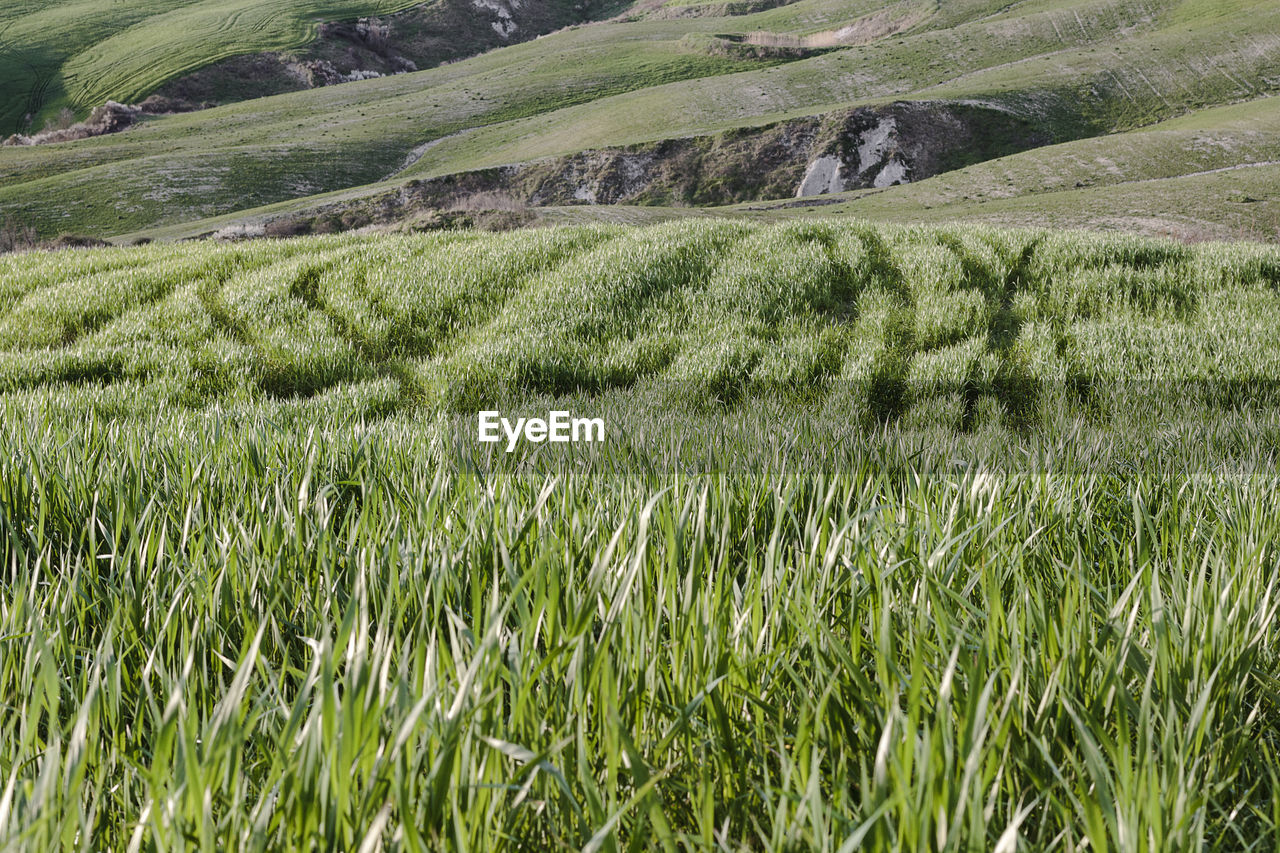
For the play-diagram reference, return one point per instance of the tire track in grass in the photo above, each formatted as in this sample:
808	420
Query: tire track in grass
303	287
925	300
1112	282
769	318
1012	383
24	371
877	365
277	372
81	361
405	343
553	336
488	286
209	291
306	287
62	312
387	364
211	299
19	277
823	351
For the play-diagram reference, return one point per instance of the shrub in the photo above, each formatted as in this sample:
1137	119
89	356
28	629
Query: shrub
75	241
288	227
16	237
63	120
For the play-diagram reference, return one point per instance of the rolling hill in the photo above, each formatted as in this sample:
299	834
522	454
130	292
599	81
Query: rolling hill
1102	73
80	54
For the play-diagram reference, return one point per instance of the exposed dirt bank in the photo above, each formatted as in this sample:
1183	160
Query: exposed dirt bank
417	38
852	149
111	117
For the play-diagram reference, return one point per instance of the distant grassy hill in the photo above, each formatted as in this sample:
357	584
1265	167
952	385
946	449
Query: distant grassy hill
1210	175
1072	69
1214	174
73	53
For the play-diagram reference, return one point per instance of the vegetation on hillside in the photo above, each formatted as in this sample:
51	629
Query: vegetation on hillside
1069	68
1211	175
58	53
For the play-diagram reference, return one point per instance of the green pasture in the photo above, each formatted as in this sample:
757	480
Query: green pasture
901	539
1077	69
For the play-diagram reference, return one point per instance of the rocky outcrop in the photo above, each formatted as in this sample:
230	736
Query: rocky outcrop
822	176
420	37
111	117
863	148
713	9
866	154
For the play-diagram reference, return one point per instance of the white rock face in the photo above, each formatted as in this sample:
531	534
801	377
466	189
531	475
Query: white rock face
504	26
633	169
874	143
501	8
822	176
895	172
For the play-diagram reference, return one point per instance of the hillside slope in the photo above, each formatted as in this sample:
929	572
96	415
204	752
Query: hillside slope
1214	174
74	53
1070	69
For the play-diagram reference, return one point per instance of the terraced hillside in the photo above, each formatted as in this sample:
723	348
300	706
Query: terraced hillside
1070	69
899	539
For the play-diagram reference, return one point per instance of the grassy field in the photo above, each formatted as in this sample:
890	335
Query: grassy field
903	535
731	309
901	539
1211	175
1077	68
59	53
